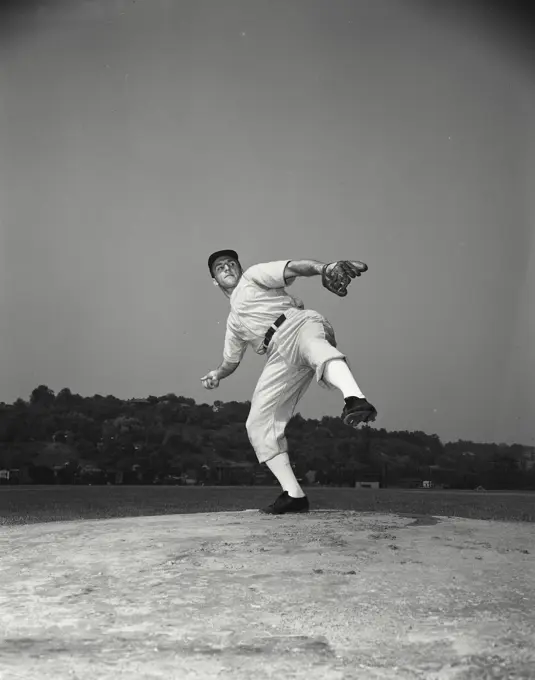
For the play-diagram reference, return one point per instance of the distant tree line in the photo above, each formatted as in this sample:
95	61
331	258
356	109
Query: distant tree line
66	438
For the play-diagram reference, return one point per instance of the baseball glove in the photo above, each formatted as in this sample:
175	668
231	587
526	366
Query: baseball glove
337	276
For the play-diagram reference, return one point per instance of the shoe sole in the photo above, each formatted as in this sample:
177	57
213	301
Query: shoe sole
355	419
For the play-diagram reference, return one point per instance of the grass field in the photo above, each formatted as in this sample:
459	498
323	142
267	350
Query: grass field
33	504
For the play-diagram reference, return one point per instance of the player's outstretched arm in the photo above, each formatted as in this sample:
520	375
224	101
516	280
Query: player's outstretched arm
314	268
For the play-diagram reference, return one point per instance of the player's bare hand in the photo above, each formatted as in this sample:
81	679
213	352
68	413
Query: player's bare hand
210	381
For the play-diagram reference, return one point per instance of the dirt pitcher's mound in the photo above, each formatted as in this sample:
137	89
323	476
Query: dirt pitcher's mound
242	595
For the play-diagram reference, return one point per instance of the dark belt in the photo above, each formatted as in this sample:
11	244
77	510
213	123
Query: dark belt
271	330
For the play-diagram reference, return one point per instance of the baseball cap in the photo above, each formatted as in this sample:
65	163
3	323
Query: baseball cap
220	253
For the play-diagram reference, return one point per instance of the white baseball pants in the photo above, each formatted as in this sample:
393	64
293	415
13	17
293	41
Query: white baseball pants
298	352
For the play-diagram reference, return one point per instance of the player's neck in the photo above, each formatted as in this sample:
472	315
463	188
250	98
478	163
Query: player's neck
227	292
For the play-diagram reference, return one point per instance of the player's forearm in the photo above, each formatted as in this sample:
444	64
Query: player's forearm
304	268
225	369
314	268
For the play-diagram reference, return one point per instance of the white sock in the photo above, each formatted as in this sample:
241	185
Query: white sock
337	373
281	468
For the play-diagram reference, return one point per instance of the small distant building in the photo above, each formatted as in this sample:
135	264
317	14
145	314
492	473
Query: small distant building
410	483
367	484
14	476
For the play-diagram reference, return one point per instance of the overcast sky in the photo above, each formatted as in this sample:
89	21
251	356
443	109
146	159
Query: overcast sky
138	137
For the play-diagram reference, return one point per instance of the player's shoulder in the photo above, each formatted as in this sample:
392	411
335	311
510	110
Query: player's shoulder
251	274
256	267
264	267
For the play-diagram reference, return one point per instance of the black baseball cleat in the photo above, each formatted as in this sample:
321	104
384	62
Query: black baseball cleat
286	504
358	410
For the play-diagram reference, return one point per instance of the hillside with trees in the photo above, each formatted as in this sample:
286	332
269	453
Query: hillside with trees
65	438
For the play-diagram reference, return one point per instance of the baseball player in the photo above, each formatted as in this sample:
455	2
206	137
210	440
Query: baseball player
299	345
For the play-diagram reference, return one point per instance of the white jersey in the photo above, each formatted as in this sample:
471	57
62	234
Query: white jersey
256	303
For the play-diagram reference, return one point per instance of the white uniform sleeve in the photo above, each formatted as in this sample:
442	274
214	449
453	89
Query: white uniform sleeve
269	274
234	347
298	302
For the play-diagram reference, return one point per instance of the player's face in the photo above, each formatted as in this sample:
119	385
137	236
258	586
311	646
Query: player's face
226	272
